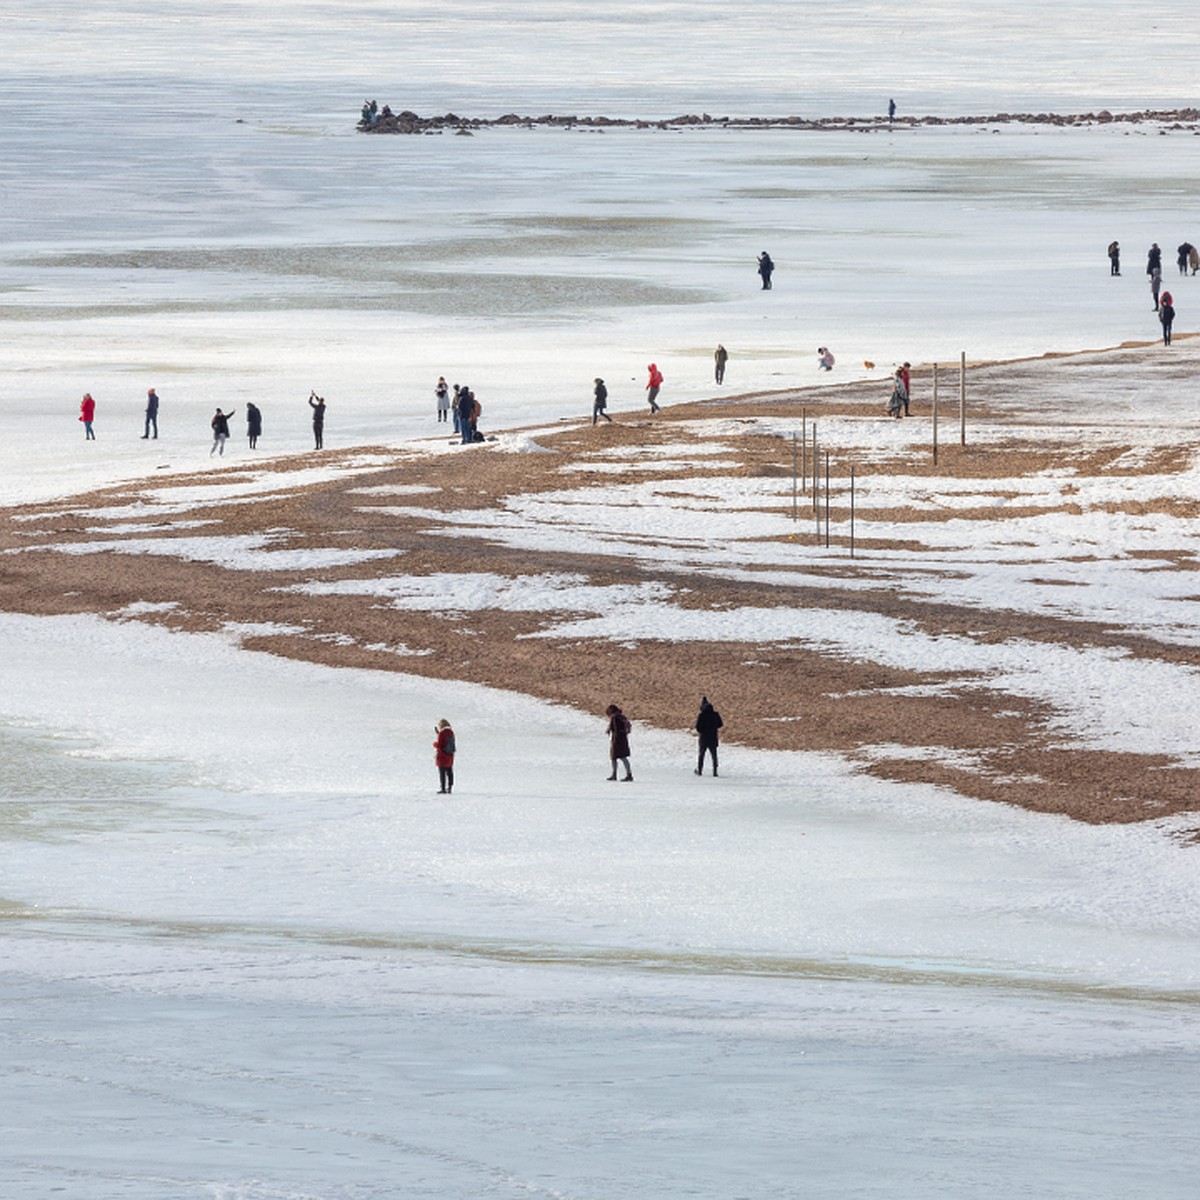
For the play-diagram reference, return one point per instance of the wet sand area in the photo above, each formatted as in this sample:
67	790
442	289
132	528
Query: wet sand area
654	560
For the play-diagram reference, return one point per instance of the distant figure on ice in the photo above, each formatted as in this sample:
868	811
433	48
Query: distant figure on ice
600	402
825	359
1166	314
1114	258
1155	284
469	412
1154	260
87	414
442	392
317	404
1183	257
619	728
891	111
220	428
906	379
899	397
454	406
444	749
1194	259
765	268
707	724
656	382
253	425
720	358
151	414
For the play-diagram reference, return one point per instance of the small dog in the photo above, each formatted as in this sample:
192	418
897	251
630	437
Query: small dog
868	364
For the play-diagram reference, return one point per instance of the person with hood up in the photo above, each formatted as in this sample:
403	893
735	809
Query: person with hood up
1154	259
619	727
1166	314
766	269
600	402
87	414
253	424
656	381
220	428
707	724
444	750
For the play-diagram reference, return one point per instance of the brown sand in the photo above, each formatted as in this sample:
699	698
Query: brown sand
954	732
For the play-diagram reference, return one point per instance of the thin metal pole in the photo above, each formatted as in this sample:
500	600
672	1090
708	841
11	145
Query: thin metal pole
793	476
826	499
962	399
851	512
935	413
804	450
816	467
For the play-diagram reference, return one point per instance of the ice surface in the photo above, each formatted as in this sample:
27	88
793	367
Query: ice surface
248	955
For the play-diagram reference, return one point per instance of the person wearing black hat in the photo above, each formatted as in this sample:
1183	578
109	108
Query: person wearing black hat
707	724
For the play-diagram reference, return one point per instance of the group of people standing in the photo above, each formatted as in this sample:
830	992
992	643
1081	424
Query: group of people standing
1164	302
219	423
707	728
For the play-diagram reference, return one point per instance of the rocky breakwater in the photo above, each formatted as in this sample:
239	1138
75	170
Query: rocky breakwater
408	122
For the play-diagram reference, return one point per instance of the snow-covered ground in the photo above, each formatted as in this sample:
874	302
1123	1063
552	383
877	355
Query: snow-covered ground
248	953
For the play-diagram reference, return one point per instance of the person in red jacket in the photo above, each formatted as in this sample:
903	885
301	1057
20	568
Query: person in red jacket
444	749
656	379
87	413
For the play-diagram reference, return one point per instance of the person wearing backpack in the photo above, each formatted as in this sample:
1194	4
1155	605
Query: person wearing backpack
444	749
619	727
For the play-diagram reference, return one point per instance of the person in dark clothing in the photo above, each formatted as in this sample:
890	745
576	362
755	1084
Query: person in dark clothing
765	268
317	404
618	742
466	414
253	424
1166	314
1154	260
720	358
1183	257
151	414
600	403
444	749
220	428
891	111
707	724
1114	258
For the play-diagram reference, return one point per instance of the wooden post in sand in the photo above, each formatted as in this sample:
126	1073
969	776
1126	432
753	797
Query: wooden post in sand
804	449
815	461
935	413
962	399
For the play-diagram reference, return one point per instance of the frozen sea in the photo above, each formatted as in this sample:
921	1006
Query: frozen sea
247	953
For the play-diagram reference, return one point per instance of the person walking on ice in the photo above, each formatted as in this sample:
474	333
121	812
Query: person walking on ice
600	402
652	387
444	750
619	727
1166	314
1114	258
87	414
707	724
720	358
151	414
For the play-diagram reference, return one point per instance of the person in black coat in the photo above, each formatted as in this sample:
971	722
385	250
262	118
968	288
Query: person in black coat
600	402
707	724
619	727
1166	314
253	424
765	268
317	404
